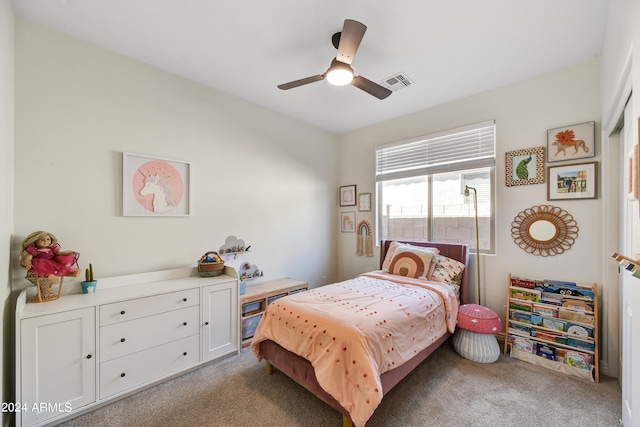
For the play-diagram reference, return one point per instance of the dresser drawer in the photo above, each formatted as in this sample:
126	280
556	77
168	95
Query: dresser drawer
147	306
130	371
124	338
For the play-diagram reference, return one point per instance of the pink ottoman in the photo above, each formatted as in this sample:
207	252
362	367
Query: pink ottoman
475	333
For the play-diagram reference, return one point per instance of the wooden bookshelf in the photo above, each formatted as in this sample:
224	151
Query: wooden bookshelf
553	324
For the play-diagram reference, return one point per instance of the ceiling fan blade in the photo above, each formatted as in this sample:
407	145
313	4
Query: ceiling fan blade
370	87
301	82
352	33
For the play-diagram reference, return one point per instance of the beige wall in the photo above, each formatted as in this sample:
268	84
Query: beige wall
6	195
255	174
523	112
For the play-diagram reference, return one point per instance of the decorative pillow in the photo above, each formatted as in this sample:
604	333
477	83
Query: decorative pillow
432	267
447	270
393	247
411	261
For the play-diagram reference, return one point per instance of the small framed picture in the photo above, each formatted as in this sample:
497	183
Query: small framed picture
348	195
570	182
571	142
364	202
348	222
524	167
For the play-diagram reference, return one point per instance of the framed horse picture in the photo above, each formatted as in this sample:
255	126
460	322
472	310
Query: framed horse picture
571	142
153	186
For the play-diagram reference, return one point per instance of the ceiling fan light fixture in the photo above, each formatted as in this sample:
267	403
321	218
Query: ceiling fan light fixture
339	73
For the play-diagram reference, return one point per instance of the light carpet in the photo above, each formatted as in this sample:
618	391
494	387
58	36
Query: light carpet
445	390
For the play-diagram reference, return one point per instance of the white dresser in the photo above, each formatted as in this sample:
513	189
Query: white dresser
85	350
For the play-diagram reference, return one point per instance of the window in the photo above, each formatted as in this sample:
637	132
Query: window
421	185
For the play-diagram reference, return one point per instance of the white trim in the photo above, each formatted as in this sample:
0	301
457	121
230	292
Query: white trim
621	94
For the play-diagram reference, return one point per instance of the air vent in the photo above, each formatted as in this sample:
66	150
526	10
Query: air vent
397	82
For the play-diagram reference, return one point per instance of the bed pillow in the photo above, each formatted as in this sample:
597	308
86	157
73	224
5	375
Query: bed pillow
447	270
411	261
393	247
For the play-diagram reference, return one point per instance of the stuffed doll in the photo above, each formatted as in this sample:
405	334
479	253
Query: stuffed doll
43	257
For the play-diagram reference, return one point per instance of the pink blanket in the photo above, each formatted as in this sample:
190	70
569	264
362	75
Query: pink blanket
354	331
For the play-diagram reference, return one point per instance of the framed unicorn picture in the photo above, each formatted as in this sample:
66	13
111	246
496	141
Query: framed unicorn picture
153	186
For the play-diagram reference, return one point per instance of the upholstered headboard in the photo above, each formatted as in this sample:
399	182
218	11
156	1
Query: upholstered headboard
457	251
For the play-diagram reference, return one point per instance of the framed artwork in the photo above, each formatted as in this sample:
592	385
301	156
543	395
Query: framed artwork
571	142
152	186
524	166
348	222
348	195
570	182
364	202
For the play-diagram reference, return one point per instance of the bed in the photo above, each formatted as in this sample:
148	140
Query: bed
301	335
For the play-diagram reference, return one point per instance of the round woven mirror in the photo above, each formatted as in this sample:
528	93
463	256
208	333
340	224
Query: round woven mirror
544	230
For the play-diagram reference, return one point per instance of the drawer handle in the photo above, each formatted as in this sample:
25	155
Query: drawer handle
184	323
122	375
122	312
206	323
122	340
89	356
184	354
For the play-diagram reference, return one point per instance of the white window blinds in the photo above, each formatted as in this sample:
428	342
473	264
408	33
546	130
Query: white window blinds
463	148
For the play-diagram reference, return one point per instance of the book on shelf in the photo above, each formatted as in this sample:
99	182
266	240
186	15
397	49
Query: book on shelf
524	294
570	291
522	344
577	359
578	305
520	329
581	343
552	282
579	330
528	318
520	317
555	324
546	336
524	283
545	310
546	351
576	316
551	298
522	305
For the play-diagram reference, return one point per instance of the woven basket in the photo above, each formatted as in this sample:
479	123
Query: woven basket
44	287
210	269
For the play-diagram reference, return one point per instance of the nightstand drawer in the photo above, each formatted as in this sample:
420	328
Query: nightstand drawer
124	373
129	337
148	306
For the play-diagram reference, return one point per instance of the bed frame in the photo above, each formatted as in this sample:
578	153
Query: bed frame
301	371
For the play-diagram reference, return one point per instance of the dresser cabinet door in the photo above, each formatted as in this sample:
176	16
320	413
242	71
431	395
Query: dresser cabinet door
220	332
57	356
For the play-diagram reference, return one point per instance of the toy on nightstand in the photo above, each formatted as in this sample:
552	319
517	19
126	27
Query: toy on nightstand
46	263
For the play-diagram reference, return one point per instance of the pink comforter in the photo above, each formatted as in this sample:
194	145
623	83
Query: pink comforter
354	331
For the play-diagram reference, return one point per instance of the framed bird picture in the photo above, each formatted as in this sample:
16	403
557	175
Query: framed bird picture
524	167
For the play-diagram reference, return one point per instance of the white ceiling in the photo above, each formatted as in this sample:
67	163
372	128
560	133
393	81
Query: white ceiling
449	48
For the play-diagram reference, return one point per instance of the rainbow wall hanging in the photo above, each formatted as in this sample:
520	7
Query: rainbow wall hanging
365	238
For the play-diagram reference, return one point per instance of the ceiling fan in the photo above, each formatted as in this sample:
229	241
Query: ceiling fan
340	72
